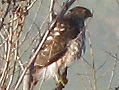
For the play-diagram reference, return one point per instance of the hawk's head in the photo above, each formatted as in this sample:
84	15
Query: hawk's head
80	12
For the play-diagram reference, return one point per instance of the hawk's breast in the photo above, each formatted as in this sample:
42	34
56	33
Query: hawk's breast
74	50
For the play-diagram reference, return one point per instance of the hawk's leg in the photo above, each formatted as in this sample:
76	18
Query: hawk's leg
62	79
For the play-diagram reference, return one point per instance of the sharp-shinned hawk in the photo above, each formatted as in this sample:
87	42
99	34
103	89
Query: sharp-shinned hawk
64	44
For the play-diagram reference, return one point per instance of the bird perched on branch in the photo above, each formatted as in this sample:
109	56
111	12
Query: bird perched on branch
64	44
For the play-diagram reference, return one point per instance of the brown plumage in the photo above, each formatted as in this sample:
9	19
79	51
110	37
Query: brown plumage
64	44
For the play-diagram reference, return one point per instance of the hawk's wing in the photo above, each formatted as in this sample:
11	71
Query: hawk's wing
55	45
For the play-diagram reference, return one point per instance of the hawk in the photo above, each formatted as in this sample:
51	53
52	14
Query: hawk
64	44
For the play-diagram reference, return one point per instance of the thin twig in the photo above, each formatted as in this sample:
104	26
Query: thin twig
51	9
94	67
51	18
82	81
109	53
86	71
112	74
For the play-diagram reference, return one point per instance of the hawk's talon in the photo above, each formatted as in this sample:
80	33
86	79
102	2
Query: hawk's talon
62	80
61	83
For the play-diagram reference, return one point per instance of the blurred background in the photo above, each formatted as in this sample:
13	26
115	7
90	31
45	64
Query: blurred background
99	68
